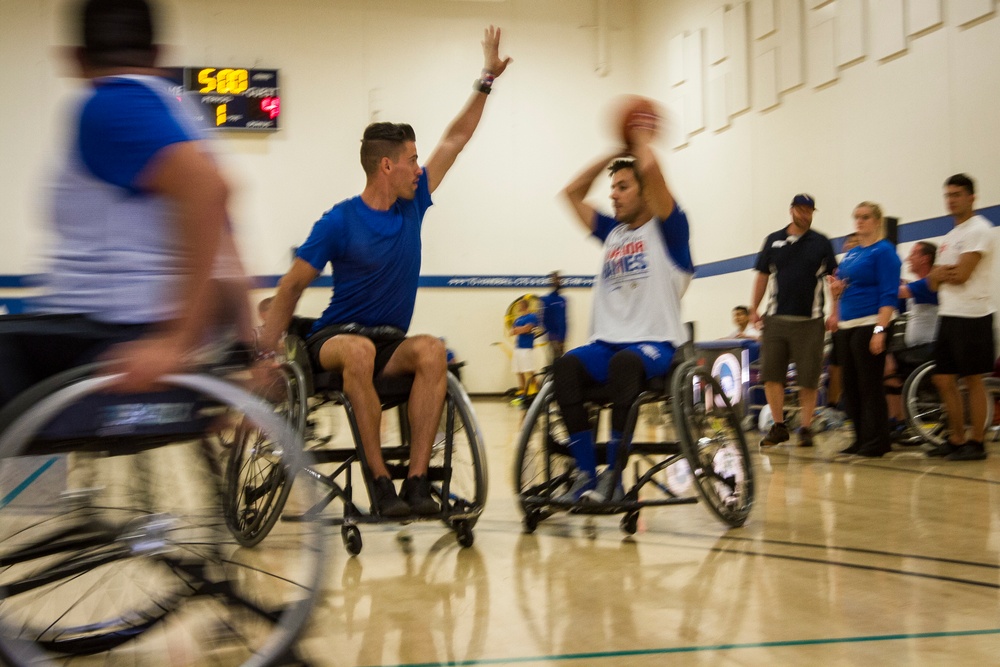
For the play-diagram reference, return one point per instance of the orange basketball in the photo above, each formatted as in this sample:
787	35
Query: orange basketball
636	112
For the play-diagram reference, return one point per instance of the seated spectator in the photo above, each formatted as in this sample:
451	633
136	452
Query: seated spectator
921	329
741	318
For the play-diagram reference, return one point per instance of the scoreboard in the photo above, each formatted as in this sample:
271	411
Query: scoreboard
233	98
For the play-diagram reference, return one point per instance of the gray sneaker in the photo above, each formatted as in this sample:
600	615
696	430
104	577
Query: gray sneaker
606	490
582	483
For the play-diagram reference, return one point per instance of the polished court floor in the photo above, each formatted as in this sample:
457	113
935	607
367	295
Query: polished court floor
844	561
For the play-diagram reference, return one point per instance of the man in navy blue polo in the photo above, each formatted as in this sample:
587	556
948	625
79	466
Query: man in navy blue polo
790	268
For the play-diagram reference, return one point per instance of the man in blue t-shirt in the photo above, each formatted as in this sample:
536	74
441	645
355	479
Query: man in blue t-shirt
373	243
554	317
139	222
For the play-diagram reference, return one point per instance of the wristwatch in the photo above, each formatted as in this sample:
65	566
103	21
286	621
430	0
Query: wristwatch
878	329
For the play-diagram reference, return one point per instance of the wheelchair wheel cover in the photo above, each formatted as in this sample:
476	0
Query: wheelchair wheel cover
713	441
925	412
207	571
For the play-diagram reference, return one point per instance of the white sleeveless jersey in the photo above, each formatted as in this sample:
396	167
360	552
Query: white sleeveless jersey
637	294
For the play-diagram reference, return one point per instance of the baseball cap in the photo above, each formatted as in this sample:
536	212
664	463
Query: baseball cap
804	200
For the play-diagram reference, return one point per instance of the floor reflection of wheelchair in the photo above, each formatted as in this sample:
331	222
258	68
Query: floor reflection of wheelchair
925	412
708	445
457	468
114	546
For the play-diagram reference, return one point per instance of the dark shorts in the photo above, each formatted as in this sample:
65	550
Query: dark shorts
784	341
964	346
385	338
36	347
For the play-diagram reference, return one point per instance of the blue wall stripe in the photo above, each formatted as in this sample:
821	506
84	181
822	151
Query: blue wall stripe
911	231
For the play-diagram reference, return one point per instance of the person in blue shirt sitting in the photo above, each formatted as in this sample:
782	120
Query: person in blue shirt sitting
373	243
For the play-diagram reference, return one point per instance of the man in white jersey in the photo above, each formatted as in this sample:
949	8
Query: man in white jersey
636	322
964	347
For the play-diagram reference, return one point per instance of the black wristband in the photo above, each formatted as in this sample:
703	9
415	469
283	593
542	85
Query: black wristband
481	86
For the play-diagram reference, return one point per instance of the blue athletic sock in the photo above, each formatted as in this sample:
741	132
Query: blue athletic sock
581	446
613	444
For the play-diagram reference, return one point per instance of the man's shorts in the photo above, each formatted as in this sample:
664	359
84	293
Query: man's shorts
596	357
385	338
964	346
523	360
786	340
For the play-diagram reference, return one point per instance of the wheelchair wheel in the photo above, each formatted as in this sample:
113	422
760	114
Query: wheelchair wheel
713	443
458	474
256	482
924	409
115	546
543	467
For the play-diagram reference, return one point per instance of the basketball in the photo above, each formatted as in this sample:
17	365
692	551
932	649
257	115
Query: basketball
634	111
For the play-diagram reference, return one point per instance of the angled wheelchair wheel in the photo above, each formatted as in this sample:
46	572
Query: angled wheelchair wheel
257	483
458	472
925	411
714	444
543	467
114	548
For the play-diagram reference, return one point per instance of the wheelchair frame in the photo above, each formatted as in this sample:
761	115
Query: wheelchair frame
153	567
706	433
462	442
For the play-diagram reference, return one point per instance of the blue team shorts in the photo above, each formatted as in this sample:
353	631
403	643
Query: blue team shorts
596	357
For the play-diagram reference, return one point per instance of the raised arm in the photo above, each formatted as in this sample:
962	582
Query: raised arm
654	185
576	192
464	125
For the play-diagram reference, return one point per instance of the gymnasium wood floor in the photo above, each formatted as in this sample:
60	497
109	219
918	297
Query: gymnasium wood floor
844	561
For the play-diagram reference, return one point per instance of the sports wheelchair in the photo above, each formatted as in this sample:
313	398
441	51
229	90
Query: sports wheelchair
115	544
704	446
924	408
457	468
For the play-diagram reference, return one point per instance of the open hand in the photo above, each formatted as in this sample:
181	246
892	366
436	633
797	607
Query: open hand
492	62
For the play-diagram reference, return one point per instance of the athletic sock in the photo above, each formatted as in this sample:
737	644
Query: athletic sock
581	446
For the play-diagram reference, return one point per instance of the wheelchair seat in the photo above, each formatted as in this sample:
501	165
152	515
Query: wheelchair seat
457	470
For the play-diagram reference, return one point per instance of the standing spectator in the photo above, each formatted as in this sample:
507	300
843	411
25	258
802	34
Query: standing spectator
741	318
792	262
523	361
554	316
865	292
964	347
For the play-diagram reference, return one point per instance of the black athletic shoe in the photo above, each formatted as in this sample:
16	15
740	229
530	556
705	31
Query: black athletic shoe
387	503
416	491
805	437
943	450
873	452
777	434
970	451
854	448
